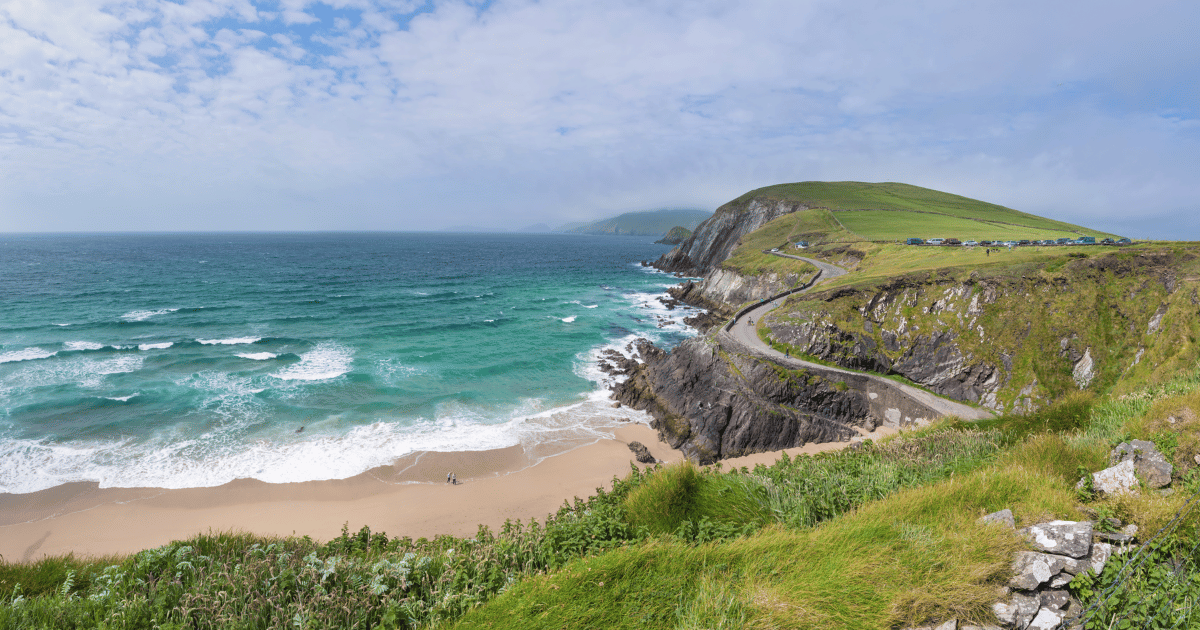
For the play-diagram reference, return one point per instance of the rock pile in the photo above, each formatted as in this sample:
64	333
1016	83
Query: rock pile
1037	596
1129	461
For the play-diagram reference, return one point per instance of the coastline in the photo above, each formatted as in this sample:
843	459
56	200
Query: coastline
407	498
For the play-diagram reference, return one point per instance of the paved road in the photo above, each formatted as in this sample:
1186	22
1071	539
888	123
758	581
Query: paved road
746	334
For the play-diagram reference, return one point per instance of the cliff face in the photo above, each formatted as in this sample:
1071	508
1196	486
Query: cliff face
715	239
1015	340
713	405
727	287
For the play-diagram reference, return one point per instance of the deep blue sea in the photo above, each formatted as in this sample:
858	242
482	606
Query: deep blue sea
191	360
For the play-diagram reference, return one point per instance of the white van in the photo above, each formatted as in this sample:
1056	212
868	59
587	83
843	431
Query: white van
935	241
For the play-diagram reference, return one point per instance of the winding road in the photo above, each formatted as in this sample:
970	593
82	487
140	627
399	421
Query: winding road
745	334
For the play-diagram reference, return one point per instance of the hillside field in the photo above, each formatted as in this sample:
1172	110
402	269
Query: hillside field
892	211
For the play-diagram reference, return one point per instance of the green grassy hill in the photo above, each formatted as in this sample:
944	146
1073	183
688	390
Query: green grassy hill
651	223
891	211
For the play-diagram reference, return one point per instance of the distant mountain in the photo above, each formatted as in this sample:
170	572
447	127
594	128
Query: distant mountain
651	223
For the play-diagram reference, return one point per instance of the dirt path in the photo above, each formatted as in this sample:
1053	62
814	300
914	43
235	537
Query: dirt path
745	333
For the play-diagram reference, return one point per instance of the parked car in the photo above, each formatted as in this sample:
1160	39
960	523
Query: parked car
1023	241
970	244
935	241
1107	241
1085	240
952	241
914	241
1123	241
1063	241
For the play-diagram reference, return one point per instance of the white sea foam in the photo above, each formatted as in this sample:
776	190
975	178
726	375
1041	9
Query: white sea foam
82	345
122	398
258	356
591	306
569	319
232	341
155	346
28	354
670	320
325	361
173	459
139	316
81	369
392	371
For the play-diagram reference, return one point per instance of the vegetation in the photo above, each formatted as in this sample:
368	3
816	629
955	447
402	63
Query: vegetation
874	537
750	257
891	211
1020	311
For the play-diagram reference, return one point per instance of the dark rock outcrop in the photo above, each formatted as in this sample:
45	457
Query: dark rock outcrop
641	453
715	239
714	405
934	360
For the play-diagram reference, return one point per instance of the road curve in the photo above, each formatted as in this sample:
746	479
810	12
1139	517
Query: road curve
745	334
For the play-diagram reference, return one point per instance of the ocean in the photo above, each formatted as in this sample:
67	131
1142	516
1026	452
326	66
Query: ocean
191	360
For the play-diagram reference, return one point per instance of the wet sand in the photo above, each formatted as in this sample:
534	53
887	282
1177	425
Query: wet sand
408	498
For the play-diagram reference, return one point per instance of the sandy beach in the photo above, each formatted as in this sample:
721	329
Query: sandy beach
408	498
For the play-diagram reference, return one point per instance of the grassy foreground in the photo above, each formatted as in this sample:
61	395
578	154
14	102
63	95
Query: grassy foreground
875	537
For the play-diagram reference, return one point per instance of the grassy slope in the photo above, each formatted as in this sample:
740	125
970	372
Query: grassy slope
913	556
875	538
891	211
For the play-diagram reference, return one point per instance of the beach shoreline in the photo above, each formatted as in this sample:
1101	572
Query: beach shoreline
408	498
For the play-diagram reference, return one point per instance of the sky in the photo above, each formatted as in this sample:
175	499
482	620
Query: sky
215	115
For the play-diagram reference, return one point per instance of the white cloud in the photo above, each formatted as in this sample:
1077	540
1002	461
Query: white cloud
152	114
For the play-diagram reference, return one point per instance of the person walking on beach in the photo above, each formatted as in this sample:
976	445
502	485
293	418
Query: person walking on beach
453	479
448	475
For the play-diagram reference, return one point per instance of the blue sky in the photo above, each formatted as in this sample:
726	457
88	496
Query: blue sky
402	115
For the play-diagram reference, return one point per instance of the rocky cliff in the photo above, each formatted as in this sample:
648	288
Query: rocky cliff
723	290
1013	339
713	405
715	239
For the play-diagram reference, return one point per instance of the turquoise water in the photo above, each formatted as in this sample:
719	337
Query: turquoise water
192	360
